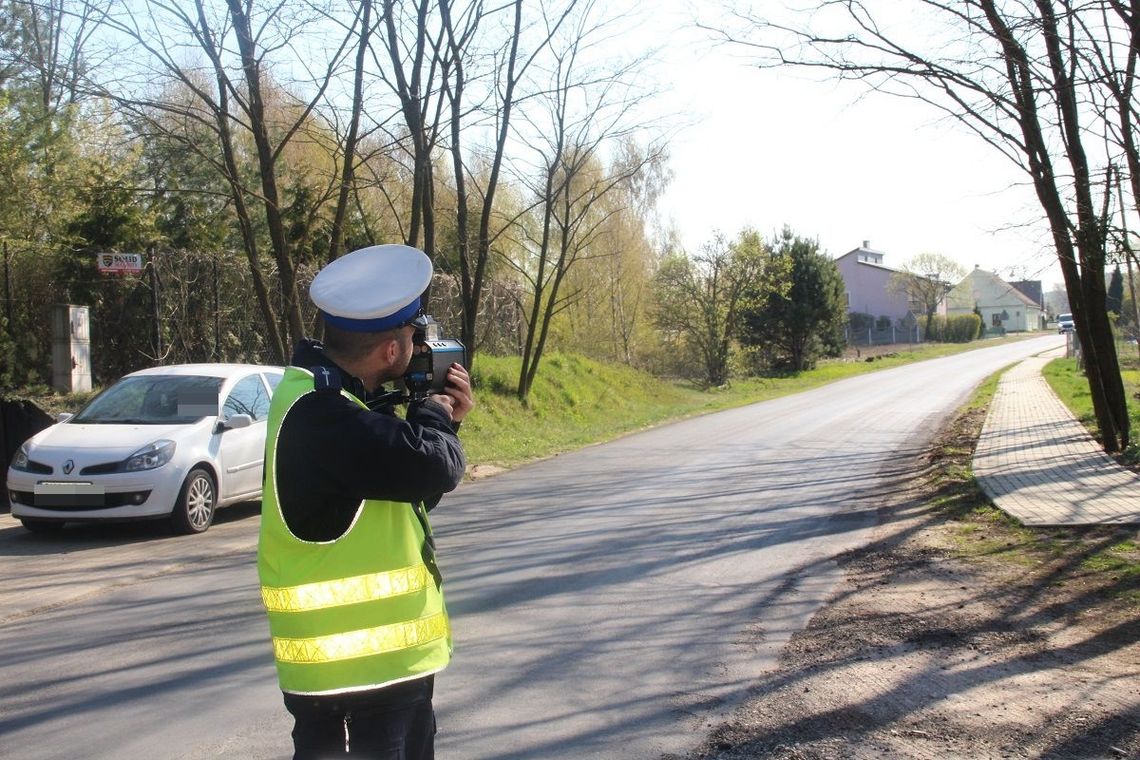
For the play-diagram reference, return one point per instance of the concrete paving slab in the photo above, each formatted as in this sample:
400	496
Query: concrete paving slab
1039	464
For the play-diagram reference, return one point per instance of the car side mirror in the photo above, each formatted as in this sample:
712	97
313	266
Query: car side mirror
235	421
63	416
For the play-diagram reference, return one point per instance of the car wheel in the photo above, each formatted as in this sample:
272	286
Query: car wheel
42	526
194	510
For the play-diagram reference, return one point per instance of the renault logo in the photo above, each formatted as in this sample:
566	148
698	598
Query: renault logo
68	466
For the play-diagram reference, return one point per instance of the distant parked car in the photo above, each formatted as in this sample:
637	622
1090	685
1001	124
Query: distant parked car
1064	323
175	442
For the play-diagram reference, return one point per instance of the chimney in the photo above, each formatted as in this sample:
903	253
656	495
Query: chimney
867	244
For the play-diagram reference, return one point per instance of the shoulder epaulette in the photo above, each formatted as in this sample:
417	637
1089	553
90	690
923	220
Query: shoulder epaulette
326	380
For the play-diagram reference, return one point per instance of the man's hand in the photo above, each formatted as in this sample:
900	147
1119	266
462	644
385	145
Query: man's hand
456	396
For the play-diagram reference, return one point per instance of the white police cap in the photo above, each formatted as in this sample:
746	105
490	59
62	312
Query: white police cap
372	289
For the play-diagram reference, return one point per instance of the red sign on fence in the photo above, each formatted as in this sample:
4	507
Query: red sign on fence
119	263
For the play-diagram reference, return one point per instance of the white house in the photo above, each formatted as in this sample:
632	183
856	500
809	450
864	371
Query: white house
1002	305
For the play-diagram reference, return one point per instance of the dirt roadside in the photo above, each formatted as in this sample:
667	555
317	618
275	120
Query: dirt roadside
956	635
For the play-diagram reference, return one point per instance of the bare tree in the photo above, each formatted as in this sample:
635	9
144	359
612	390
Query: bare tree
1123	240
699	299
57	46
414	68
1109	61
352	138
609	320
924	280
587	104
511	67
574	214
230	96
1112	65
1013	74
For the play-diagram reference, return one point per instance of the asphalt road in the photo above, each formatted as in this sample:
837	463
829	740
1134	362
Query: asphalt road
613	602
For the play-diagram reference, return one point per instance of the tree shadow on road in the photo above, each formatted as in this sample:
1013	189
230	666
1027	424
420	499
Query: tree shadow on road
958	634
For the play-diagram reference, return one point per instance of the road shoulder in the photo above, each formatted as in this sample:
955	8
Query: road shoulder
929	650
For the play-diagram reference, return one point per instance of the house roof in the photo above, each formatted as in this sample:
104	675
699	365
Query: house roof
1010	289
884	267
1032	290
864	249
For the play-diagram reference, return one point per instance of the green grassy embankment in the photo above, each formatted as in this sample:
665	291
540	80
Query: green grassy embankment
1071	386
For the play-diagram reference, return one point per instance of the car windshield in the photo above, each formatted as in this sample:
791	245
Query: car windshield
154	400
1065	318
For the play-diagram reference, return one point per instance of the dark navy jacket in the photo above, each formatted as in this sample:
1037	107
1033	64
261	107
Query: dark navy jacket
332	453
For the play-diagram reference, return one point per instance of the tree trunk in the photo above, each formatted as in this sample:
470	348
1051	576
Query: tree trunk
1102	369
525	374
410	92
348	171
472	274
265	159
277	346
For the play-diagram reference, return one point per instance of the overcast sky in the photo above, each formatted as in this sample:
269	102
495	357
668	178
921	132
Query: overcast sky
769	148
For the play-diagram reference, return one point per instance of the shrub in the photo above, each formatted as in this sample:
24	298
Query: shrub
860	321
961	328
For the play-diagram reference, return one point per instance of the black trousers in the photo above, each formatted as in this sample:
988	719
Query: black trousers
394	723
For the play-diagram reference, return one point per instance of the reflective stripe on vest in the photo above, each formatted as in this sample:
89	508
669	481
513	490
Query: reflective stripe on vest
362	588
365	643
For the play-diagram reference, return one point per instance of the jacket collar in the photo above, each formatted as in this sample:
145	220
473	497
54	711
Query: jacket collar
310	354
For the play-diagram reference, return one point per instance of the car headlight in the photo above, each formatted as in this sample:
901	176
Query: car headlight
20	461
150	456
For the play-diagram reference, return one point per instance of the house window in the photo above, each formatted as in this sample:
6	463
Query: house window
996	319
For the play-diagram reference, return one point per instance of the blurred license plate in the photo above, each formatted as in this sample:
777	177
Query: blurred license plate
68	494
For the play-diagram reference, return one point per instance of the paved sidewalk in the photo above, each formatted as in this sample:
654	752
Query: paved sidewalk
1038	463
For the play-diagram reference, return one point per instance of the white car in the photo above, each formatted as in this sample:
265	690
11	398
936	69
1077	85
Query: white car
1064	323
176	442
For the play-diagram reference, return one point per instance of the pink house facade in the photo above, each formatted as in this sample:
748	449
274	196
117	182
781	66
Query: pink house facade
866	278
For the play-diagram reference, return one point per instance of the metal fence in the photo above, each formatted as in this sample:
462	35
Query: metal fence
185	306
884	337
1128	350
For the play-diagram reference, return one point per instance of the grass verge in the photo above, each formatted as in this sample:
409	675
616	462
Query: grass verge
1072	387
1096	566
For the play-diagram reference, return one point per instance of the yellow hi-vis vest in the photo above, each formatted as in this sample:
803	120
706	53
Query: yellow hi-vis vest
360	612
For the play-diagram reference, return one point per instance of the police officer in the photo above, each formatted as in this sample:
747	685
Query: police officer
345	557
